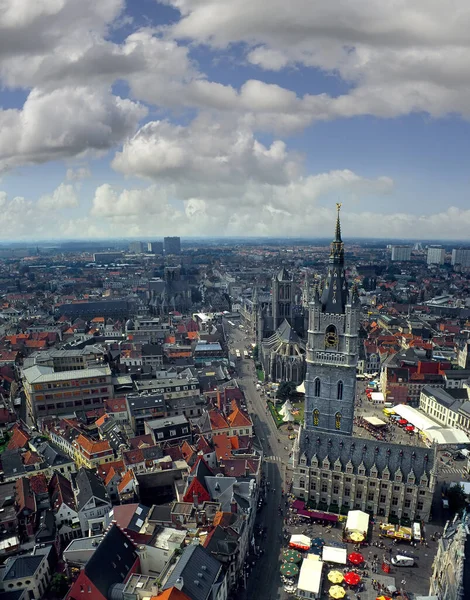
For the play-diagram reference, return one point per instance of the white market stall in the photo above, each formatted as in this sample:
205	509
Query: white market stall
357	521
375	421
310	578
377	398
334	555
299	541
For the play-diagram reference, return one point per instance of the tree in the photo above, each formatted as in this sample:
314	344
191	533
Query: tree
59	585
255	353
457	498
285	389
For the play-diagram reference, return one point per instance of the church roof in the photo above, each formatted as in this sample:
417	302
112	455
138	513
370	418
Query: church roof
410	459
284	335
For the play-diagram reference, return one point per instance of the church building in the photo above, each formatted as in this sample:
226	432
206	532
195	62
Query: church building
333	469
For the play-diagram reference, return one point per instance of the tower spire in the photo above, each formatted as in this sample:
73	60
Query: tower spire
338	224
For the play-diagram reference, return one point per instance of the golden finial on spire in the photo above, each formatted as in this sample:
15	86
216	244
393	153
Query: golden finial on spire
338	206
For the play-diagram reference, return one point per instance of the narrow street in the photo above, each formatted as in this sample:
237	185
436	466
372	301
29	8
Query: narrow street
264	580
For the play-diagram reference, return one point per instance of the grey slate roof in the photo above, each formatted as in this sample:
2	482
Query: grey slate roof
89	485
22	566
369	452
199	571
111	561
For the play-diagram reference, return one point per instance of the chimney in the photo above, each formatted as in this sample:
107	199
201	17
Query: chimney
196	500
233	506
179	583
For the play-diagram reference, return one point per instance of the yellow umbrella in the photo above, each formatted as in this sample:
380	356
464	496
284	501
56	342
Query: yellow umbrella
335	576
336	592
356	536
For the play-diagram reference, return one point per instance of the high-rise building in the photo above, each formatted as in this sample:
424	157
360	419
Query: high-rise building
172	245
155	247
401	253
334	470
436	255
461	256
136	247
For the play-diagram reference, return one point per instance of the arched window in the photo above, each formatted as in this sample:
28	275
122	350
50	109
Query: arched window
339	391
338	420
317	388
316	416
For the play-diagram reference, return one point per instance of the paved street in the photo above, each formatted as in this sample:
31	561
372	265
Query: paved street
263	581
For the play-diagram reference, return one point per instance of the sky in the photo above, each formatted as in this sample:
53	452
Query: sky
218	118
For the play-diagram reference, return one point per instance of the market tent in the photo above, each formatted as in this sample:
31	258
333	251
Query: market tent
377	397
300	389
375	421
447	436
302	542
356	558
415	417
334	555
310	576
352	578
357	521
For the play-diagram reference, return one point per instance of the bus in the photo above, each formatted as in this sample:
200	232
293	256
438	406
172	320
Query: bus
417	532
237	352
245	353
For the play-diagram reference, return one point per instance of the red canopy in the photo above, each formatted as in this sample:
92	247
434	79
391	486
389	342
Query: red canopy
356	558
352	578
410	428
402	421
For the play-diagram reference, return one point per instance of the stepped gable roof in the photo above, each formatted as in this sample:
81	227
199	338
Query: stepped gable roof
118	553
196	565
409	459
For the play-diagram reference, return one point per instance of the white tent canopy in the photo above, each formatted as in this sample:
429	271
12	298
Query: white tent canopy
310	577
286	408
446	435
288	417
377	397
334	555
300	540
415	417
357	521
375	421
300	389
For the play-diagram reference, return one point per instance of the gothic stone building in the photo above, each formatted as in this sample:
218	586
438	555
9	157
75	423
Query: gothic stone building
332	468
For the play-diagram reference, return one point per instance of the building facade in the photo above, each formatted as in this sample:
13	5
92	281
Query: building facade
172	245
62	393
461	257
436	255
401	253
333	469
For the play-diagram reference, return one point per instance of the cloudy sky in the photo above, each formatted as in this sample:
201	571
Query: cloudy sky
234	117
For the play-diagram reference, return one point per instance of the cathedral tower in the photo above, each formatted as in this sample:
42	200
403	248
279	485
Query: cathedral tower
330	383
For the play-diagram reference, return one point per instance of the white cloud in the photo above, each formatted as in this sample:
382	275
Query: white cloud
65	122
43	218
77	174
398	57
62	197
205	151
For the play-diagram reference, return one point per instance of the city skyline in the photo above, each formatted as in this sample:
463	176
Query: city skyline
215	118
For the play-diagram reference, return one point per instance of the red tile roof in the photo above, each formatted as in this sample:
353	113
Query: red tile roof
239	419
126	480
217	420
19	439
196	489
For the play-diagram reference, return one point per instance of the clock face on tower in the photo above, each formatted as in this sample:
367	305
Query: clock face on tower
331	339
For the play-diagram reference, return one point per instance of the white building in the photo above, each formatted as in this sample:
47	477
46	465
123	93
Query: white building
436	255
461	256
29	572
401	253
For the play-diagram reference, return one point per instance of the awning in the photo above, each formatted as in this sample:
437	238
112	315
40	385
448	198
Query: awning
334	555
317	515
